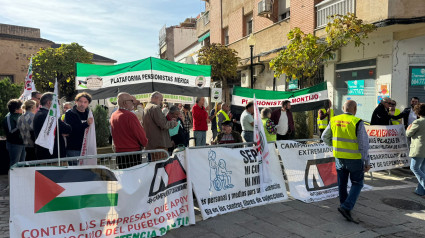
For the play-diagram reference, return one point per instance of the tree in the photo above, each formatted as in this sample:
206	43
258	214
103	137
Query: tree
100	115
306	52
223	61
8	90
59	63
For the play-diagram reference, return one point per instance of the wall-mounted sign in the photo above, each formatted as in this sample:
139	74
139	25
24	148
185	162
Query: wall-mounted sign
417	76
355	87
293	84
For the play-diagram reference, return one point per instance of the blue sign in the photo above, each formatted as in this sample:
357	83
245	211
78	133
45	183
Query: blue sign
293	84
417	77
355	87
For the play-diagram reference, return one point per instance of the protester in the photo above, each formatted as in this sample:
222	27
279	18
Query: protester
78	119
180	106
408	114
324	116
349	140
380	115
66	107
416	131
227	135
46	102
26	128
284	121
165	109
36	96
213	120
157	126
395	112
269	127
14	143
140	112
178	133
247	121
223	115
200	122
127	132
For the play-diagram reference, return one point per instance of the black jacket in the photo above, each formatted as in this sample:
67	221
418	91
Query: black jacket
41	152
180	138
14	137
380	116
78	122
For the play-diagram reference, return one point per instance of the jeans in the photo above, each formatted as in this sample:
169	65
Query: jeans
16	153
73	153
200	138
417	165
214	133
354	169
248	136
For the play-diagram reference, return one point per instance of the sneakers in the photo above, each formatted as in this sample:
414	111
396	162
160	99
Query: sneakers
347	214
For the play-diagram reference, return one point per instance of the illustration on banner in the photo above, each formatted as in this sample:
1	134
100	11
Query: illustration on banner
219	175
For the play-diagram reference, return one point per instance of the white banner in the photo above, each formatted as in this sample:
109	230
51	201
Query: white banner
388	147
310	169
226	180
93	201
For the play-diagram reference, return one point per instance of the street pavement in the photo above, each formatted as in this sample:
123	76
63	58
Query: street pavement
390	209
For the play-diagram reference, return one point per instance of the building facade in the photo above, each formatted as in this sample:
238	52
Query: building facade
18	44
390	63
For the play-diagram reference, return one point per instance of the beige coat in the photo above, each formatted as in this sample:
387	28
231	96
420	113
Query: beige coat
156	127
417	132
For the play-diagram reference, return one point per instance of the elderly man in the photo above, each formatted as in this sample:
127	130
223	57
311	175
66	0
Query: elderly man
408	114
127	132
157	126
223	115
380	115
36	96
200	122
247	121
348	138
46	102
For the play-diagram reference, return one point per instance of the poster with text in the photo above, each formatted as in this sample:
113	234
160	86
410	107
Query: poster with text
226	180
310	169
388	147
94	201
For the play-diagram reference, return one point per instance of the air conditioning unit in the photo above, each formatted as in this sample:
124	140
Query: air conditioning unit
258	70
245	79
264	7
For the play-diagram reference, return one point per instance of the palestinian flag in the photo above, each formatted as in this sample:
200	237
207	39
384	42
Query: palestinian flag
143	76
306	99
71	189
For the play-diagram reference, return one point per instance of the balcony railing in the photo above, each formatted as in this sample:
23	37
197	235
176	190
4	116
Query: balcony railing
332	7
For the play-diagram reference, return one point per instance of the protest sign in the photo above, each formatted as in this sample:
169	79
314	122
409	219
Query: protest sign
226	180
310	169
93	201
388	147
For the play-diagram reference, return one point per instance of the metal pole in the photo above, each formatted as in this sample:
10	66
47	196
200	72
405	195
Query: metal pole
252	66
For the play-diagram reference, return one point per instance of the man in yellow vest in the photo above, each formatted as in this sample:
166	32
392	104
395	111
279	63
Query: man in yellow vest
348	138
223	115
395	112
324	115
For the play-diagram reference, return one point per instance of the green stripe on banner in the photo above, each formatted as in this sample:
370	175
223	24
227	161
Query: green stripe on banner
85	70
270	95
78	202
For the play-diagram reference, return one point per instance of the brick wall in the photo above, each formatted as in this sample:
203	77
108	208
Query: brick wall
236	21
303	15
215	21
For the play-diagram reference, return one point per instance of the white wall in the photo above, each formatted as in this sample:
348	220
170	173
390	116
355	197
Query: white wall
189	52
265	80
400	62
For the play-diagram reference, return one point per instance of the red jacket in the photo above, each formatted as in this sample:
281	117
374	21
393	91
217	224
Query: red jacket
200	117
127	132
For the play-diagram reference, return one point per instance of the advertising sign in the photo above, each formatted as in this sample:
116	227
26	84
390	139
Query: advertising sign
355	87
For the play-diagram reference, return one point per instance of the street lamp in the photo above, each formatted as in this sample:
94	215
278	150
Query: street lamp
251	43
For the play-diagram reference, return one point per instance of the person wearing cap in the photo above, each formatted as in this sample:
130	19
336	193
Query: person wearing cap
227	135
380	115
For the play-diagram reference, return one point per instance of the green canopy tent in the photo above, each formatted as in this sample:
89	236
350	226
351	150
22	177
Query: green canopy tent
143	76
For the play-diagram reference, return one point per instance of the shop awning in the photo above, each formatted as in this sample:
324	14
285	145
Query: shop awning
202	38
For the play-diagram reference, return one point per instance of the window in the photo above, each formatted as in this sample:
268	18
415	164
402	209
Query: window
285	15
226	36
248	24
11	78
284	9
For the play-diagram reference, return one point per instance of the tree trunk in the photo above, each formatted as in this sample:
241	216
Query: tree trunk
226	90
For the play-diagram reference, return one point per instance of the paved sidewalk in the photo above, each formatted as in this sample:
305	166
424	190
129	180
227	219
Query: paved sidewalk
404	217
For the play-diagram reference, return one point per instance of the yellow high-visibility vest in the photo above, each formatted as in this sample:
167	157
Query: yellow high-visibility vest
398	121
269	137
324	123
225	116
344	138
